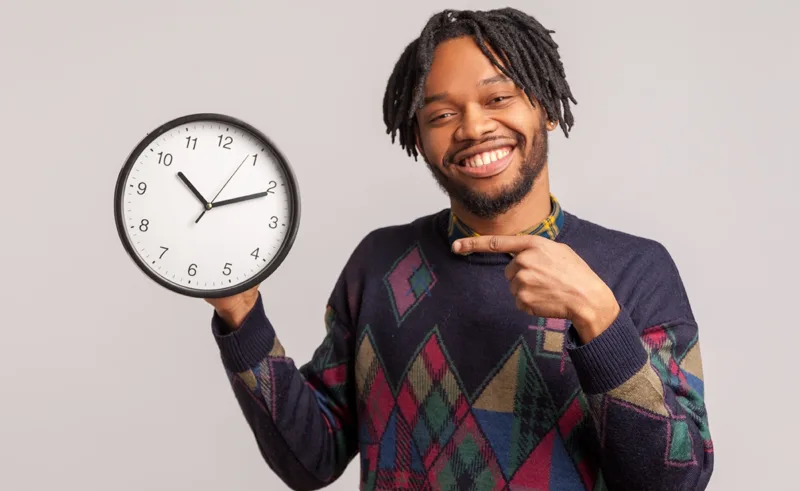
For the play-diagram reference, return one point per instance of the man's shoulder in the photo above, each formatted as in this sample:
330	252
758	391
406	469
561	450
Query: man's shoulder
640	271
585	234
389	241
610	248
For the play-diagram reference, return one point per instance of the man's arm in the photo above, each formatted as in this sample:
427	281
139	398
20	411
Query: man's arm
643	376
303	419
635	351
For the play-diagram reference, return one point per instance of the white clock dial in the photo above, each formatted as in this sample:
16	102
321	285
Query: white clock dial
206	206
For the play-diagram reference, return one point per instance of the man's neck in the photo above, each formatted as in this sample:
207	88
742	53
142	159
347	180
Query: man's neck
534	208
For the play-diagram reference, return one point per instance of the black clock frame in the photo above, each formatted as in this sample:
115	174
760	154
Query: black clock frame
291	185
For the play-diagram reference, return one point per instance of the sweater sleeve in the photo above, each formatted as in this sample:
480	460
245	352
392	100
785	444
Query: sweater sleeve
643	378
303	419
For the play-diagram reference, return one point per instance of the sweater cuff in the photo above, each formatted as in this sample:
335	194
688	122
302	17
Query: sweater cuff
247	346
610	359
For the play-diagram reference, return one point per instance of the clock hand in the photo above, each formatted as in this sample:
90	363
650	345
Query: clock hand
193	189
211	204
229	179
241	198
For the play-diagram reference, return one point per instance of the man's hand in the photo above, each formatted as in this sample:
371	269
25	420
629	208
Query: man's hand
234	309
548	279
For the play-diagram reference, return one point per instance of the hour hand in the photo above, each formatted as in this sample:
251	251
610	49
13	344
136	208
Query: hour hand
193	189
239	199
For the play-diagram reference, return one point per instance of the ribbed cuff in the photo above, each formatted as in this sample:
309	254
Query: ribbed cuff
245	347
609	359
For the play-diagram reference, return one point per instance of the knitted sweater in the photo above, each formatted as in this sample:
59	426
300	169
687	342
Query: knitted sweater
431	376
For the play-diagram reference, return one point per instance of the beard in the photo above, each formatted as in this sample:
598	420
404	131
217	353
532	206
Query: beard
486	206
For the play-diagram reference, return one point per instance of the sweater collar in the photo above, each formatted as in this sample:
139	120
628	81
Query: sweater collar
548	228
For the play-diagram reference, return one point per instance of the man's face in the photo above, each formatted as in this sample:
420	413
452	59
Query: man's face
482	139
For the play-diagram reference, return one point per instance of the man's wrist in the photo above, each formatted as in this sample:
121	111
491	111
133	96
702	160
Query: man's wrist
231	312
596	315
244	336
232	320
235	317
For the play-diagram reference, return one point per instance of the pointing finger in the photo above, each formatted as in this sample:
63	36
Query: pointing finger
495	243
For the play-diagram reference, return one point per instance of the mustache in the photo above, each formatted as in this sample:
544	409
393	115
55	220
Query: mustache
449	157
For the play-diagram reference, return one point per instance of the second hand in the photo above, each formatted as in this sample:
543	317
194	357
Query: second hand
211	203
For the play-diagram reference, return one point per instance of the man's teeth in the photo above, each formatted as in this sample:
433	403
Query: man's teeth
486	158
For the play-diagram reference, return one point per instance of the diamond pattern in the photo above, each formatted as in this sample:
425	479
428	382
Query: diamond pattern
371	382
398	451
577	430
467	462
550	337
534	473
516	409
429	432
408	282
681	370
432	402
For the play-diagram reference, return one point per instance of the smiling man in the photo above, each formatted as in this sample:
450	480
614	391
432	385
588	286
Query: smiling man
502	343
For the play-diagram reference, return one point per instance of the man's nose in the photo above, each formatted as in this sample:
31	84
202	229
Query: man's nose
475	125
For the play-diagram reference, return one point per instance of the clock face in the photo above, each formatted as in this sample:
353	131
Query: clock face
206	206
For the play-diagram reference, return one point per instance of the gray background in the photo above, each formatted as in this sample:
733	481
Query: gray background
685	126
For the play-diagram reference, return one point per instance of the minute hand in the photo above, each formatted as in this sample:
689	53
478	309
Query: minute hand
240	198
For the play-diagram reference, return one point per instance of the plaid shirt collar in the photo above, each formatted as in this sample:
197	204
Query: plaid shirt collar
549	227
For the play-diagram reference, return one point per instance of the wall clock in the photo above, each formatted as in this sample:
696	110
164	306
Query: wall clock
207	206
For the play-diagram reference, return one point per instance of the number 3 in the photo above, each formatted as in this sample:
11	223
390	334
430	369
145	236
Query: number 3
274	222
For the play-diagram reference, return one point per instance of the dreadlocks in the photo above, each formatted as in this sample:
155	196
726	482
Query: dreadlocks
529	57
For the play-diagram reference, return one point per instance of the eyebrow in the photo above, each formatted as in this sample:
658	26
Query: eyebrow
497	79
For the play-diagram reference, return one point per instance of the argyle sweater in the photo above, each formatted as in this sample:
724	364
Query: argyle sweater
429	375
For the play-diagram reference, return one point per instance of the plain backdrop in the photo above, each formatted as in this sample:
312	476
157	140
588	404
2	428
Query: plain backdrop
686	127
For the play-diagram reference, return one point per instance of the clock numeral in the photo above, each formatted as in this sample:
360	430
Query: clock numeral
144	225
255	253
165	251
227	269
191	142
165	158
255	158
271	187
192	269
273	223
142	188
227	139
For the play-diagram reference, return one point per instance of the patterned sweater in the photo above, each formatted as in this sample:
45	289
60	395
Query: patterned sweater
431	376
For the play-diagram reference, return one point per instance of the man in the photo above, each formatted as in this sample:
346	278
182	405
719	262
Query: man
502	343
